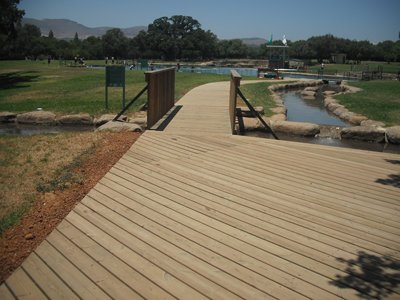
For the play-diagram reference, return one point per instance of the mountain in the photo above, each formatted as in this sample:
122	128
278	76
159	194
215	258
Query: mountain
254	41
66	29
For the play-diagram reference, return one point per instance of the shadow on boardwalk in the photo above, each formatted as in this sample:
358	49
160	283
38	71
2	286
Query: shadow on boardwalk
374	277
393	179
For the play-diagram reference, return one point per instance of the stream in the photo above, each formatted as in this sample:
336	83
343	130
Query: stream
312	110
300	109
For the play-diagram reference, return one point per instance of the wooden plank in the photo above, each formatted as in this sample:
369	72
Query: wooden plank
191	205
234	285
245	182
70	274
265	264
23	287
46	279
288	208
334	237
5	293
256	227
237	180
256	161
121	265
194	218
207	216
302	180
91	268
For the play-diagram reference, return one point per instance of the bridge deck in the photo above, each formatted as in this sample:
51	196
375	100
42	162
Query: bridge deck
194	216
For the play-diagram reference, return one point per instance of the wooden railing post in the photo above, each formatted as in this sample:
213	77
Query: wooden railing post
235	84
160	94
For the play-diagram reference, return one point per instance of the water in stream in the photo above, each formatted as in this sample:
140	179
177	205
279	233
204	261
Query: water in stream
300	109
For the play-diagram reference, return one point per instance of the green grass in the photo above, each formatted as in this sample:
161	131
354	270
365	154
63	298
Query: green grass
27	85
370	65
16	214
258	94
379	100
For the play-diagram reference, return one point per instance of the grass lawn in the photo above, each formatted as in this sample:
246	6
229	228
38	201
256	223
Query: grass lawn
258	94
27	85
379	100
371	65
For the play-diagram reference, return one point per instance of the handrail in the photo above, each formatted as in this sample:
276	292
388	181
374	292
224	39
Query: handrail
235	83
255	113
160	94
234	92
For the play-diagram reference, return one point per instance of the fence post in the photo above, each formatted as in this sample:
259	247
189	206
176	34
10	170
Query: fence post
235	83
160	94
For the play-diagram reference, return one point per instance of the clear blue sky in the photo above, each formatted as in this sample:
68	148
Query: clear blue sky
373	20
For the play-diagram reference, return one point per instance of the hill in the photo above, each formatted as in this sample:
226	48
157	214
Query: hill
253	41
66	29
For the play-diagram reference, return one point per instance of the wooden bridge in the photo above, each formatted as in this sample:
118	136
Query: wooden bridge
195	212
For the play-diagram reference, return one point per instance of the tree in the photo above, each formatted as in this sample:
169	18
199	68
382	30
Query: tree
51	34
179	37
27	42
301	49
10	17
92	48
115	43
323	46
232	49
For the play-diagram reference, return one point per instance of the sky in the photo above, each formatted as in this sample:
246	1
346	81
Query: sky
373	20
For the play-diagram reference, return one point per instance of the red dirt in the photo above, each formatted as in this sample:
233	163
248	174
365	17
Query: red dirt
50	209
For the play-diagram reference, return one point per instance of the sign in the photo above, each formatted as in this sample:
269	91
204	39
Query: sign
115	77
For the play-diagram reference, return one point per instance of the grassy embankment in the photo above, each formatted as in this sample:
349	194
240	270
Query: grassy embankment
379	100
365	65
258	94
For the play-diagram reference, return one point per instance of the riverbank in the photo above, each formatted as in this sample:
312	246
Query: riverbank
364	128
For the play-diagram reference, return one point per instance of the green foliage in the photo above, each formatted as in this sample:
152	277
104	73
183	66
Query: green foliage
10	16
114	43
232	49
178	37
182	38
379	100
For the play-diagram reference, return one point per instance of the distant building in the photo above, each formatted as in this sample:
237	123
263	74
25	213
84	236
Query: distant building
338	58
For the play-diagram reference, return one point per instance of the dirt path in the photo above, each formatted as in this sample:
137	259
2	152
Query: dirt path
19	241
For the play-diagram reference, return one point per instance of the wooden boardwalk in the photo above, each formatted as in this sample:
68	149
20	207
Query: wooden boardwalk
194	216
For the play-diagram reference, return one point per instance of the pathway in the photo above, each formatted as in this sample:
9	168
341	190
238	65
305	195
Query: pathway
193	212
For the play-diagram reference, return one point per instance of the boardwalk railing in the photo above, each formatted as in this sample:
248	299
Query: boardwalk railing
235	112
160	94
235	83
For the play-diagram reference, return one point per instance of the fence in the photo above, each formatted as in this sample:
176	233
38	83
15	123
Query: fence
235	83
160	94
